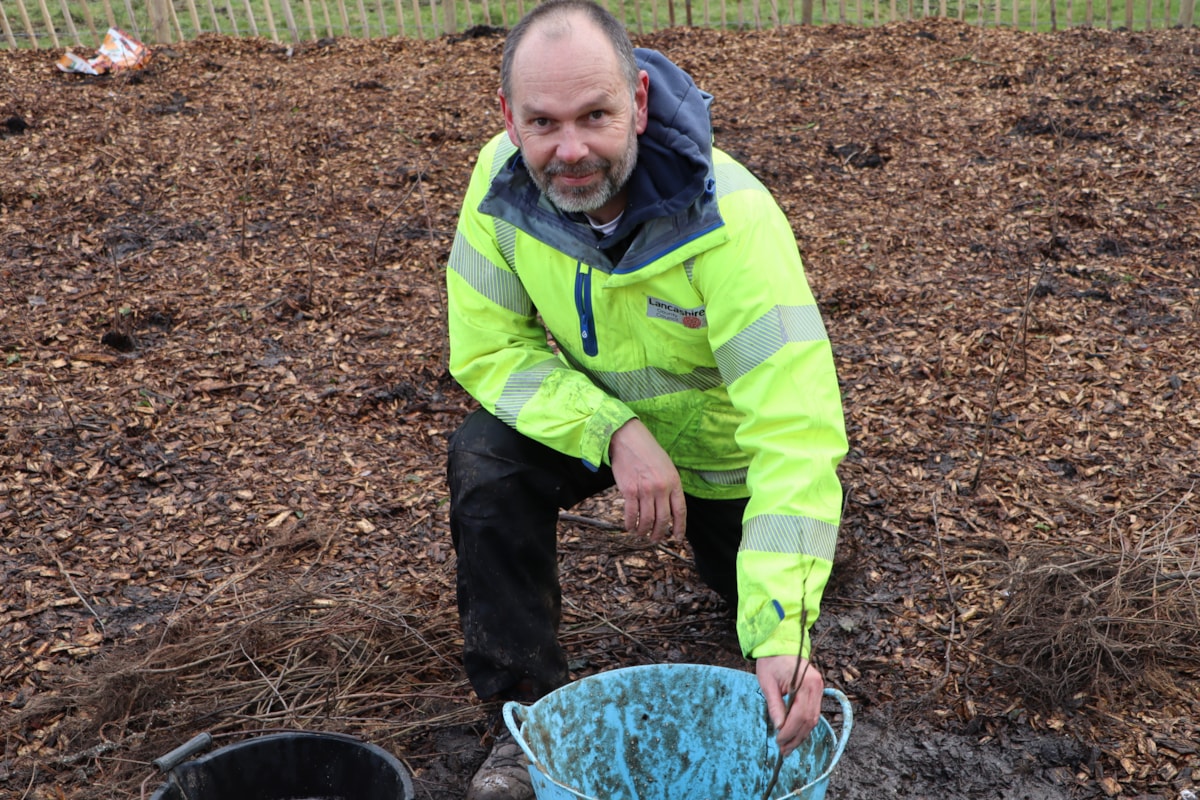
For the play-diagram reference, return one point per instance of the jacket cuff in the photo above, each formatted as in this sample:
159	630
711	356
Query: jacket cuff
770	625
598	432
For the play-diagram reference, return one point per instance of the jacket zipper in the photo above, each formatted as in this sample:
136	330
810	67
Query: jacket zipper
583	305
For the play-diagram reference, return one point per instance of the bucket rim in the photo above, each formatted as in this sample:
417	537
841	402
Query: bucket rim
189	759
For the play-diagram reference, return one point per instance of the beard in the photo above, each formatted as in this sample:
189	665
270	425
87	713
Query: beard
581	199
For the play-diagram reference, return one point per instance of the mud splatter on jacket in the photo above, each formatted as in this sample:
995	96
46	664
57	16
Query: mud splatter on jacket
704	328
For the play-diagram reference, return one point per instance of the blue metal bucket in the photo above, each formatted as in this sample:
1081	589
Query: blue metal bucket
667	732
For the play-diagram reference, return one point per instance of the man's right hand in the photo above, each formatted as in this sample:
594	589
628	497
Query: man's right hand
649	482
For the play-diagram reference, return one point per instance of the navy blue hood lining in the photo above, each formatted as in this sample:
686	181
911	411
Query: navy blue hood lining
675	151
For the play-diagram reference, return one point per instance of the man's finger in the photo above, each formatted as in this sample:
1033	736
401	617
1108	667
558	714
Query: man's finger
678	514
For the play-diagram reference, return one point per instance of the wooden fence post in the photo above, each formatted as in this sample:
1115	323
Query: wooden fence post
70	22
160	21
362	18
417	17
91	23
192	12
137	29
1186	9
290	18
250	20
212	14
8	33
308	17
49	22
28	24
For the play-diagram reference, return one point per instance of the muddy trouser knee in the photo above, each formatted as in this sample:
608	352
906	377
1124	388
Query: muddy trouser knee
505	493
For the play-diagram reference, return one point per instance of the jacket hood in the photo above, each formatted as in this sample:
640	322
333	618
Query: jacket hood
675	151
674	168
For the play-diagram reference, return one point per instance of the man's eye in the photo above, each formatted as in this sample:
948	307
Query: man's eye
597	115
539	122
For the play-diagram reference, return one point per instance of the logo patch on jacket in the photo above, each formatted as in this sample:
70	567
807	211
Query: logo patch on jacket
687	317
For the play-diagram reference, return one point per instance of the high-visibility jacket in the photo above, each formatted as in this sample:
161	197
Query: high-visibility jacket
704	328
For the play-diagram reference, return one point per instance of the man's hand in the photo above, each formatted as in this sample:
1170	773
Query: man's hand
648	481
775	673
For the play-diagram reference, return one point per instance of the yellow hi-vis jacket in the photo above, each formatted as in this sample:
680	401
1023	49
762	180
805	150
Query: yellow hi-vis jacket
705	329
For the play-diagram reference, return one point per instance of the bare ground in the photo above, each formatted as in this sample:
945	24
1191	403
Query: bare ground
225	405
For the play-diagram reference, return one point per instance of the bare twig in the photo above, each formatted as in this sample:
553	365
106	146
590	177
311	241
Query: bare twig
796	683
993	397
591	522
63	570
937	531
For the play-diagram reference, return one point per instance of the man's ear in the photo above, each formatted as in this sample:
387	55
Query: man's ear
641	101
509	125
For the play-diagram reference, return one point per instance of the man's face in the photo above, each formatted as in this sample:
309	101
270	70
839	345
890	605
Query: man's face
575	117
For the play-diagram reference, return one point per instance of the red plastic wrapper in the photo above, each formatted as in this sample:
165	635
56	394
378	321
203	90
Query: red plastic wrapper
119	51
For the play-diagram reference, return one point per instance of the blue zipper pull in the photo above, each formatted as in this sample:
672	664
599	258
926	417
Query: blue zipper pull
583	305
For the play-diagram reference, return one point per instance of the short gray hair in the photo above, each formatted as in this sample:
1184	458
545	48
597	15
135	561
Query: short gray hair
560	12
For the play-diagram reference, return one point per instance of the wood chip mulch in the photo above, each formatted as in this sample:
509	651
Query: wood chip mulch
224	403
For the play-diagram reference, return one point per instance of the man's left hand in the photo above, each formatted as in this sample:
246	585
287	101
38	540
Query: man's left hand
775	674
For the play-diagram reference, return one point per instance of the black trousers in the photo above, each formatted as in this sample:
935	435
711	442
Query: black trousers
505	494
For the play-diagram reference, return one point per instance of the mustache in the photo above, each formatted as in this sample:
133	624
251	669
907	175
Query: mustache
577	170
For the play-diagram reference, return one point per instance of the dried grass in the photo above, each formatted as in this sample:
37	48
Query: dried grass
1079	617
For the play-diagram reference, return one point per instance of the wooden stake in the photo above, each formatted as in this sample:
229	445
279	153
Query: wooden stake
328	21
345	17
195	16
290	18
8	32
364	25
49	23
270	15
251	21
91	23
137	32
308	16
383	30
174	19
70	22
232	18
212	15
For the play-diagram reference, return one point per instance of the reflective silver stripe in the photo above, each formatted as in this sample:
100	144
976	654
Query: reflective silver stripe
689	267
729	477
774	533
506	240
521	387
498	285
766	336
734	177
649	382
504	149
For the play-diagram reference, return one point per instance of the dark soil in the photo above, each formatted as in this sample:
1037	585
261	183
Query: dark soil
224	403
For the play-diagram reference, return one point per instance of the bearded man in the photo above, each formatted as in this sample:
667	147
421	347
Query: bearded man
628	306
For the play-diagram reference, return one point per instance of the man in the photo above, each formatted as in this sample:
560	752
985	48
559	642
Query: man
687	364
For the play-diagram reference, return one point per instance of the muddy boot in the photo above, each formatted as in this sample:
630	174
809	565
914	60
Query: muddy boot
504	775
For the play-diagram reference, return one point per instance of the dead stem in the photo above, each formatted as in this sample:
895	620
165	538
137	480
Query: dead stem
795	686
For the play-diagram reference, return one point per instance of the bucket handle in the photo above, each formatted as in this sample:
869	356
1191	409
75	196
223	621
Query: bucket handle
197	744
514	718
847	724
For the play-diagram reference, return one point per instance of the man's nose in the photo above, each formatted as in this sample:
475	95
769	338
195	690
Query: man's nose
571	145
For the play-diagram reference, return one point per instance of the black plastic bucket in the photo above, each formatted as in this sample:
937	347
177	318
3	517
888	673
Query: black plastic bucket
285	766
